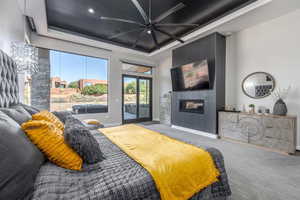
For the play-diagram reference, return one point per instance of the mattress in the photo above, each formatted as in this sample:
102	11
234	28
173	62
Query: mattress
117	177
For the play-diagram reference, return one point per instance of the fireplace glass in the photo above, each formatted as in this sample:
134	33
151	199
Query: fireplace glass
193	106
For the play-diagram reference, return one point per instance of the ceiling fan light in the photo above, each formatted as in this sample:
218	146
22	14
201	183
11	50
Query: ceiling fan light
91	10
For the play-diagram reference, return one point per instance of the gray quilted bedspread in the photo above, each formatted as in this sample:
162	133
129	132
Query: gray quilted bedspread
118	177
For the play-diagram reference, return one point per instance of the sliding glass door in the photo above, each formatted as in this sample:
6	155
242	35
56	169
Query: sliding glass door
137	99
129	99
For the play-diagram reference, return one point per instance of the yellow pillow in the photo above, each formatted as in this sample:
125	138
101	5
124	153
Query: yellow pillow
48	116
50	140
92	121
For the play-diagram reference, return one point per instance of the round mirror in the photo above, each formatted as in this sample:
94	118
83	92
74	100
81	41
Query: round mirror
258	85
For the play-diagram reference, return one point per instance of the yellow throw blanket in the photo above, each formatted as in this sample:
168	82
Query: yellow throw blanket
179	170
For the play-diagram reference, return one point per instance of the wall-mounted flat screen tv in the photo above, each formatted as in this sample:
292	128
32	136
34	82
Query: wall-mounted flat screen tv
193	76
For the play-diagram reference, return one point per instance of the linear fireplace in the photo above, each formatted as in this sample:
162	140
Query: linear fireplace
191	105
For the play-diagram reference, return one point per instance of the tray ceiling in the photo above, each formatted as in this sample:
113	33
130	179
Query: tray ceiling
73	16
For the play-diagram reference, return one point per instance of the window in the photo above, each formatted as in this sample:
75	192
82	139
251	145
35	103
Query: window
78	83
138	69
88	84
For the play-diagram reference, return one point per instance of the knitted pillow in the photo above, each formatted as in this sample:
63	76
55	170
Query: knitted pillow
50	140
62	115
82	141
48	116
73	120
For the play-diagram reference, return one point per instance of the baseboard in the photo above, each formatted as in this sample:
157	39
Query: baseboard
298	148
196	132
112	124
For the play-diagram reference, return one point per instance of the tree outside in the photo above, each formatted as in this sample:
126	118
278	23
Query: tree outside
73	84
98	89
130	88
130	91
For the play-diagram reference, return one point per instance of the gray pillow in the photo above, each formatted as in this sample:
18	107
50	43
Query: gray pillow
62	115
20	161
30	109
82	141
73	121
17	113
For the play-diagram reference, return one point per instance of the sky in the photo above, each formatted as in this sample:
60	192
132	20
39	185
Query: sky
72	67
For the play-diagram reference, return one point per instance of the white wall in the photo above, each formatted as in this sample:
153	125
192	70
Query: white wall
165	86
273	47
114	116
11	30
164	66
11	24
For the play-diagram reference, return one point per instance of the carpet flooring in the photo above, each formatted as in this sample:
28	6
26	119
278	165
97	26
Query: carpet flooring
254	173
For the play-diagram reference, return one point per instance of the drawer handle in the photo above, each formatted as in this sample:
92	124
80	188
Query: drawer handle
269	136
269	127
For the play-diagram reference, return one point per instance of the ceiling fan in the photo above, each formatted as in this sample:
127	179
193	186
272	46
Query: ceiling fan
150	26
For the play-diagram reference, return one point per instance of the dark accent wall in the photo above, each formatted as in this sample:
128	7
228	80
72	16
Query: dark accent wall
212	48
40	88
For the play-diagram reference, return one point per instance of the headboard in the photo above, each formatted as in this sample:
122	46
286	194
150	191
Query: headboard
9	88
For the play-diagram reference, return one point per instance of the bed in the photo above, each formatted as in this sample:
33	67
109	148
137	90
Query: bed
117	177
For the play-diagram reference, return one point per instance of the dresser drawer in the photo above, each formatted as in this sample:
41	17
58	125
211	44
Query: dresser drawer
281	129
228	126
276	144
233	133
228	117
278	123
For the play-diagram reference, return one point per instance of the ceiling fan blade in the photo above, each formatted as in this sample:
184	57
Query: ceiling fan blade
150	10
170	35
169	12
187	25
138	38
154	38
141	10
126	32
121	20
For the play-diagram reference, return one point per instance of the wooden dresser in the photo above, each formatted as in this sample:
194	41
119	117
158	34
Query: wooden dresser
270	131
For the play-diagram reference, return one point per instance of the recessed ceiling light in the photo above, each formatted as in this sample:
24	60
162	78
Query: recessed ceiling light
91	10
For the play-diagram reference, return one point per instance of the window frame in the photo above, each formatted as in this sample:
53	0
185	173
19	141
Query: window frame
107	75
136	73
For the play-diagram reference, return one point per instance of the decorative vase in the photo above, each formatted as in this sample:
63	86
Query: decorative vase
280	108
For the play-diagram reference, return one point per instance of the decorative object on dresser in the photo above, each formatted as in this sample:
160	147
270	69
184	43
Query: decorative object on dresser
280	107
259	111
271	131
252	108
258	85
